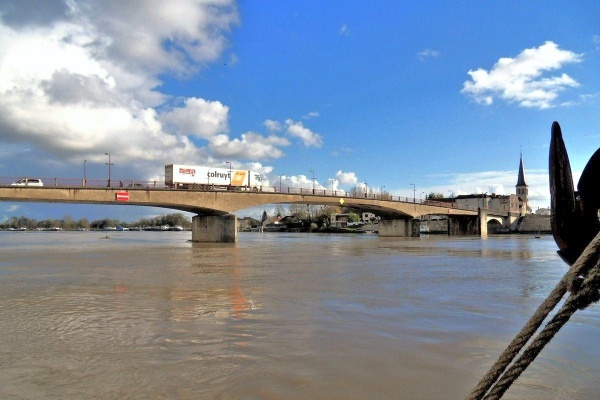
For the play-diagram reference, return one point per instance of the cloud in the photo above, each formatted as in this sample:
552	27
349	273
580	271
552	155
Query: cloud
344	30
308	137
522	79
199	118
250	146
596	40
346	178
312	114
427	54
85	80
272	126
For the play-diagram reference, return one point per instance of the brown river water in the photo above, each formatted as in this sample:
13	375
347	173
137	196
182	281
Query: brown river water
149	315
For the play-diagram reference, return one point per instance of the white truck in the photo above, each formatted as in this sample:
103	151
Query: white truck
208	178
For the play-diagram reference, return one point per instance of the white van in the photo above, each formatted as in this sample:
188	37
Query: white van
28	182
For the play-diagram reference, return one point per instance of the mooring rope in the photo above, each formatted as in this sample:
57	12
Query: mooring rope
584	292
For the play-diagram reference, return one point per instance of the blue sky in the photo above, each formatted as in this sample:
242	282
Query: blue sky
442	95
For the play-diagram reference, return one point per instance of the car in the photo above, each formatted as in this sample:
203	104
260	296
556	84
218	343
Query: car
28	182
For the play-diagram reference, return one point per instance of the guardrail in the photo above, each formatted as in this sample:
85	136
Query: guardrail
160	185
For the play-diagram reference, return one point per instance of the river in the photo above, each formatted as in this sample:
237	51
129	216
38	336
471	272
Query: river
105	315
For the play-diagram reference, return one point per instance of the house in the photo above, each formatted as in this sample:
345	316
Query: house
339	220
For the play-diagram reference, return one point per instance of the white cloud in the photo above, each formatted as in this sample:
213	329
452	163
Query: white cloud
251	146
596	40
346	178
199	118
344	31
309	138
273	126
298	181
521	79
138	31
312	114
427	53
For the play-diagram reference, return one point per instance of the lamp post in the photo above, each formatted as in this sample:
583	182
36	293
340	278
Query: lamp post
280	182
313	179
414	193
227	162
84	174
421	197
109	164
382	191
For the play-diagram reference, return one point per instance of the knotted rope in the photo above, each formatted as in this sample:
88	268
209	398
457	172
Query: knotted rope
583	293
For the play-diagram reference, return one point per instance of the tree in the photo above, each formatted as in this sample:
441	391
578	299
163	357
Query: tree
67	223
299	210
357	191
353	217
433	195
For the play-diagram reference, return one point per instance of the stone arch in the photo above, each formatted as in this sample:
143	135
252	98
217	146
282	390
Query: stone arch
493	225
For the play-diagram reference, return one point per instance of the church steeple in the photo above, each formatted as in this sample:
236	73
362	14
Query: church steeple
521	179
522	190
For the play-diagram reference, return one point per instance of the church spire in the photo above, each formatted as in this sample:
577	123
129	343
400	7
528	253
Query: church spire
521	179
522	190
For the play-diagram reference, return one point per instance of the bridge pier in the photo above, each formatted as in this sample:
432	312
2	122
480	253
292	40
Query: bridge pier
214	228
468	225
399	227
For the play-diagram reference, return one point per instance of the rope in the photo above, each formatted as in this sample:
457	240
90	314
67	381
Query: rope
590	258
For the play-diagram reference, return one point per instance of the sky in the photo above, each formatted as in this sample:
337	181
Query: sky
401	96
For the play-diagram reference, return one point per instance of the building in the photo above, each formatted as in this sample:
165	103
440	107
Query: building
339	220
369	218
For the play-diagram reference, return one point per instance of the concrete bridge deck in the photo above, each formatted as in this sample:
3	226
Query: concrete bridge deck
215	203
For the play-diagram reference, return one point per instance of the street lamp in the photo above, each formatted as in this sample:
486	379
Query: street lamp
313	179
382	191
414	193
109	164
84	174
280	182
421	196
227	162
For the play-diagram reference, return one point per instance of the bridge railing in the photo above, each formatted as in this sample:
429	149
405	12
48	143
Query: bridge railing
93	183
144	184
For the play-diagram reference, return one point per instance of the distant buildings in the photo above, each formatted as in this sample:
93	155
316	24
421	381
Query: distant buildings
515	204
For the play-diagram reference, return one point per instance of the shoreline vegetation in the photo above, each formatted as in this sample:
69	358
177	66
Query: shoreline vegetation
176	221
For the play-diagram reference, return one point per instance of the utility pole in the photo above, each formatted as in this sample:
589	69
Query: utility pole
109	164
414	193
313	179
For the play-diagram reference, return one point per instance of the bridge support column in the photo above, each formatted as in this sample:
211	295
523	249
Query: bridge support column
214	228
399	227
482	223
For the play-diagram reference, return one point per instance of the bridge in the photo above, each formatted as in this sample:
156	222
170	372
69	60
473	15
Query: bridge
215	222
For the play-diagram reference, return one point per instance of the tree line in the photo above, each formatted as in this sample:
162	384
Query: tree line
67	223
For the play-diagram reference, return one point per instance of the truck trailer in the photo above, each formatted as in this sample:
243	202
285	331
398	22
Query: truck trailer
210	178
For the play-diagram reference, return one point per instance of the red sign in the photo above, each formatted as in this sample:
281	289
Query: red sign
122	196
